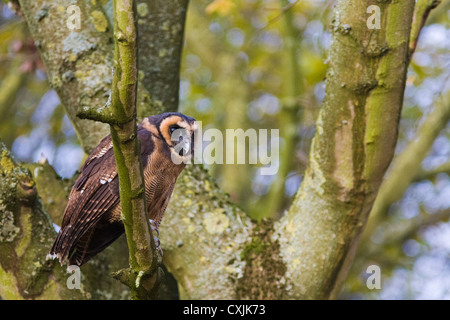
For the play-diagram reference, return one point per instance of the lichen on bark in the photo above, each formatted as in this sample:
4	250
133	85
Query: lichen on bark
203	228
78	62
264	271
24	270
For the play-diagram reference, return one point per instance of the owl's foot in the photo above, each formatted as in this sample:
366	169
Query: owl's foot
154	227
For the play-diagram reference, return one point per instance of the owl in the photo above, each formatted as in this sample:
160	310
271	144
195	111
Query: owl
92	218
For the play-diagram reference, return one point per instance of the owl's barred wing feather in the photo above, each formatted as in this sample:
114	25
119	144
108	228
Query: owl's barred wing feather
95	192
94	196
82	190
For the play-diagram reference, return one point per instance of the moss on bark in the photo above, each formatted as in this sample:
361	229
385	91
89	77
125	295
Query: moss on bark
26	237
264	272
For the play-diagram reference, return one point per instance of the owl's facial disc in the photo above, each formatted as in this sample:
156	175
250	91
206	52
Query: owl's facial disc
179	136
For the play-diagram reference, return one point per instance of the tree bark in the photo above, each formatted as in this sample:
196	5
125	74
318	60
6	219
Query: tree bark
78	62
26	235
161	29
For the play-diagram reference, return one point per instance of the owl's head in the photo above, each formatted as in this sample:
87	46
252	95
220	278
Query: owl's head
177	132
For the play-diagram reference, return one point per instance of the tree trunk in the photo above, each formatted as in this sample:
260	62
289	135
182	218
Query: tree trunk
355	139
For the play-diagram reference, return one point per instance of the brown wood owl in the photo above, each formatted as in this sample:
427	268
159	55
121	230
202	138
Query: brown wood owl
92	218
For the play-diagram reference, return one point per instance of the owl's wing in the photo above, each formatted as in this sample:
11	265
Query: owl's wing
95	192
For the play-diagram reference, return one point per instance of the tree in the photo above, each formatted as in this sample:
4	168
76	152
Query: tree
212	248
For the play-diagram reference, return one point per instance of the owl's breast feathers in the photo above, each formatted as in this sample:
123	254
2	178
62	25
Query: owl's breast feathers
92	217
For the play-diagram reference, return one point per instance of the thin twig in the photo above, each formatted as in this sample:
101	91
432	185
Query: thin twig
398	237
431	173
142	277
421	12
280	15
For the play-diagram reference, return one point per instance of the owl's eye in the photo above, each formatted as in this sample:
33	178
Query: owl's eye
173	128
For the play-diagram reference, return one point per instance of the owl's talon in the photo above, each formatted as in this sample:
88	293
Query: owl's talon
154	227
158	245
157	242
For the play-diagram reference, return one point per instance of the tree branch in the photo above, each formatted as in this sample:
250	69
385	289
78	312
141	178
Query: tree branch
352	148
398	236
161	29
78	61
421	12
203	228
431	173
119	112
143	255
10	87
26	235
407	165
